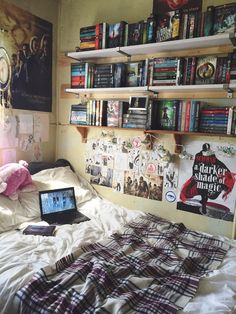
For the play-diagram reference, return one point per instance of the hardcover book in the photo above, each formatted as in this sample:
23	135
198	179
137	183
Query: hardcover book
116	34
40	230
206	70
135	33
134	73
225	18
114	113
167	114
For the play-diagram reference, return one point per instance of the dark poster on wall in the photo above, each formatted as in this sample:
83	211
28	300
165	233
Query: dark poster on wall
162	6
25	60
210	187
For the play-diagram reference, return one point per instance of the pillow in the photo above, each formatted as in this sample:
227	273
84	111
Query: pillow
53	179
12	213
36	166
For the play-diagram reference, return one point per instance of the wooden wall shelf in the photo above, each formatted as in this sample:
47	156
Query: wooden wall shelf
83	130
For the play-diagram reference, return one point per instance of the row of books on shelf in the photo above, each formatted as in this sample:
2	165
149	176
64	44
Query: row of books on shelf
175	24
172	71
144	113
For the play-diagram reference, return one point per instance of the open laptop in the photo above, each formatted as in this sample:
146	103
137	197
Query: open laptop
58	206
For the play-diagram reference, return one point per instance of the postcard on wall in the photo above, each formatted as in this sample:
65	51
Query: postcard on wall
41	127
8	131
26	59
207	183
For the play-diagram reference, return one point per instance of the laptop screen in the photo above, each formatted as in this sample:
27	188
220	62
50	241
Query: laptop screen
57	201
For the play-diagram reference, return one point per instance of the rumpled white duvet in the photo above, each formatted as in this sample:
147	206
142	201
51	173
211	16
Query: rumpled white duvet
22	255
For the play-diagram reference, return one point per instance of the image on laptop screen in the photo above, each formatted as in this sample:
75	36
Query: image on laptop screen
58	200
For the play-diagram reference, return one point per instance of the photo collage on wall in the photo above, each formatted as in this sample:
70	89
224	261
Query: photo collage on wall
208	180
203	183
127	166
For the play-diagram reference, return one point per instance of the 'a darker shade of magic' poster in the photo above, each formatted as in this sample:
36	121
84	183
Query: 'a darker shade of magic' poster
207	182
25	60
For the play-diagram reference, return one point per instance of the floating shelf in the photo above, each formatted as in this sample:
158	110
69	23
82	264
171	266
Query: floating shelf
111	90
220	40
154	89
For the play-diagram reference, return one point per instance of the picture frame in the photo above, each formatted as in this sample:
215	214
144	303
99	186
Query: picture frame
138	102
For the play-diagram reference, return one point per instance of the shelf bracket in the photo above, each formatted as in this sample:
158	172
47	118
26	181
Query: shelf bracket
229	93
124	53
83	132
178	148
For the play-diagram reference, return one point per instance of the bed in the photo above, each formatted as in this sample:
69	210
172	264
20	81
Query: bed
120	261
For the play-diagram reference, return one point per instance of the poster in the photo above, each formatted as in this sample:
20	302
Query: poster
25	60
162	6
207	183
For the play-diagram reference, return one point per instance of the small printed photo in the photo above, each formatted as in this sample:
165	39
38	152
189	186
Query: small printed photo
138	103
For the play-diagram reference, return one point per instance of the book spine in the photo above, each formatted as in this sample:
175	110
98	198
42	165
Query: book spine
187	116
230	120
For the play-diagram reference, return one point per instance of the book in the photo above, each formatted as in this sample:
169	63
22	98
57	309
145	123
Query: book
168	26
208	23
135	33
39	230
167	114
116	34
134	73
119	75
151	29
206	70
114	113
224	18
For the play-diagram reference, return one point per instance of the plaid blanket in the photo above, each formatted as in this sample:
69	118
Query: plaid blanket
153	266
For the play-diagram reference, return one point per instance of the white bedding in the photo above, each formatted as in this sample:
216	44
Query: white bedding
21	256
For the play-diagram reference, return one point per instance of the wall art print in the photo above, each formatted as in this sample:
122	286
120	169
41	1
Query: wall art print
25	59
207	183
162	6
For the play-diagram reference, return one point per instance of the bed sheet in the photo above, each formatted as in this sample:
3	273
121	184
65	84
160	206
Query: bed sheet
21	256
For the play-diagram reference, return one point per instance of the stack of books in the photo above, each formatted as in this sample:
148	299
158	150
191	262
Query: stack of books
216	119
165	71
136	116
188	115
82	75
78	75
189	70
175	115
93	37
78	114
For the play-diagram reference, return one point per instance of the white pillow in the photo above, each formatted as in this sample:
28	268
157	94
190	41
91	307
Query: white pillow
11	213
53	179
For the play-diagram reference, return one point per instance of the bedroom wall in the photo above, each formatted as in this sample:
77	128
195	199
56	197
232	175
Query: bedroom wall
47	10
73	15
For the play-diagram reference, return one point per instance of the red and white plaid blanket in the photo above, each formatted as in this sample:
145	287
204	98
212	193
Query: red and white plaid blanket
153	266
